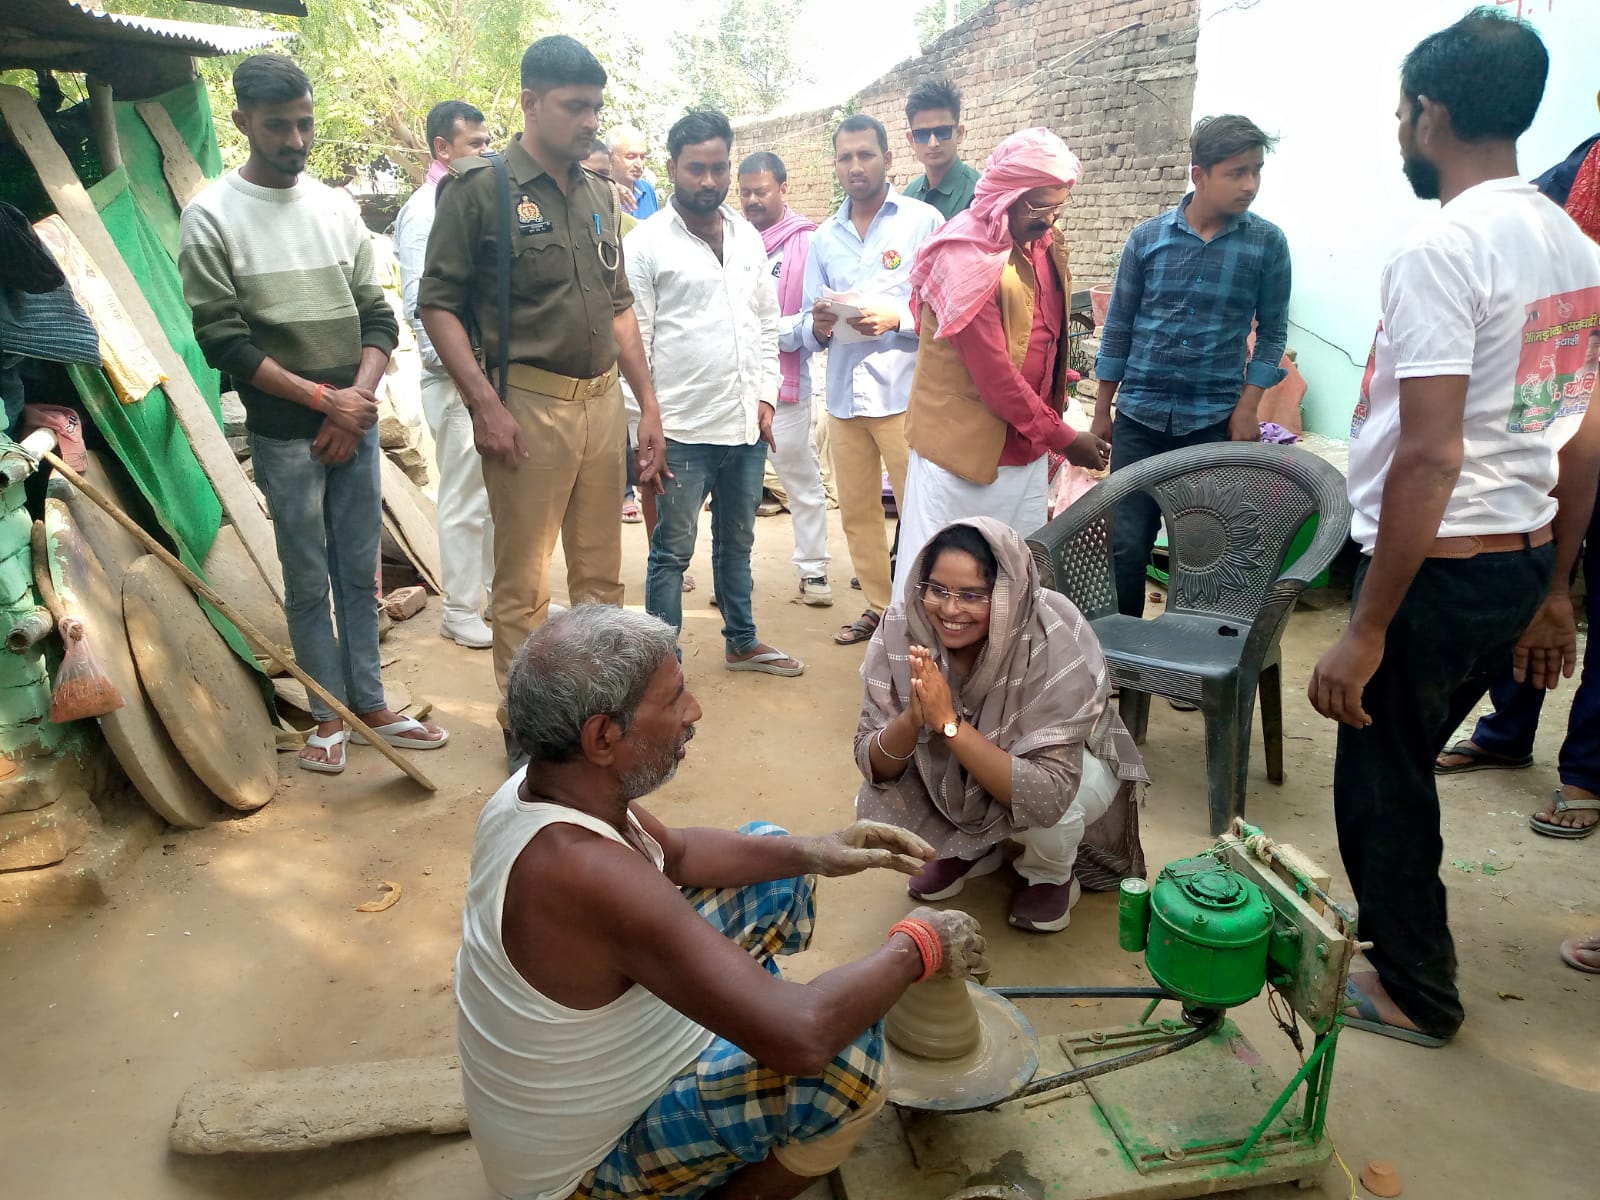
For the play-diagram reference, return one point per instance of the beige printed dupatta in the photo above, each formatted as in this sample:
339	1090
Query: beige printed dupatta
1038	690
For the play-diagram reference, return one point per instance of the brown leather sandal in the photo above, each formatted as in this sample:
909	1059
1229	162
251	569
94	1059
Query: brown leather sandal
859	630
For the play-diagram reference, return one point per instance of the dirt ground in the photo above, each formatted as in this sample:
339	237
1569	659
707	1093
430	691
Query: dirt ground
237	948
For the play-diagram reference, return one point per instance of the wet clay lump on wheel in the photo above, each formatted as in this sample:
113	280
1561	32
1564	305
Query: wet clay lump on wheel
935	1019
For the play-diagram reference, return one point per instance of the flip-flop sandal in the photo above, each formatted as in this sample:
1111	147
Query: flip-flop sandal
394	733
1368	1021
767	663
1569	953
316	741
859	630
1569	832
631	515
1479	759
688	582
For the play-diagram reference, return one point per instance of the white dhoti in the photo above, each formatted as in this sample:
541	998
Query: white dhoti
934	498
797	466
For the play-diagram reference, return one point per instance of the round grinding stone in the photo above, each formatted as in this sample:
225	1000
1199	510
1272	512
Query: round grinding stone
209	700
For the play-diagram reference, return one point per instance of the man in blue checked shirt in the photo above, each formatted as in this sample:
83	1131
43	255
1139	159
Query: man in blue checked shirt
1192	283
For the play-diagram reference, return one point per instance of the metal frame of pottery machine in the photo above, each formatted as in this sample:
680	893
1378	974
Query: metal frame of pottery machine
1156	1110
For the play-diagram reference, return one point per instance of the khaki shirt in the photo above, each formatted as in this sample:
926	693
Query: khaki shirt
567	277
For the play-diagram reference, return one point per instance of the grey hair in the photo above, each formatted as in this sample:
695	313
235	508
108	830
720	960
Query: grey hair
592	660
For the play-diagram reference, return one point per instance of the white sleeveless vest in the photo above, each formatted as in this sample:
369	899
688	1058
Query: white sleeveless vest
549	1089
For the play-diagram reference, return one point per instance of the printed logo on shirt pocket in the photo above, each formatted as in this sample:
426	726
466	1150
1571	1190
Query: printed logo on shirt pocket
892	260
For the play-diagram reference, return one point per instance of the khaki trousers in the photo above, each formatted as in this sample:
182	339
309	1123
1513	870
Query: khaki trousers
863	449
568	487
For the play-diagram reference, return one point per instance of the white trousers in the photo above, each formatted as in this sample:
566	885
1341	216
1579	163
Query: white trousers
1019	496
466	532
1048	854
796	462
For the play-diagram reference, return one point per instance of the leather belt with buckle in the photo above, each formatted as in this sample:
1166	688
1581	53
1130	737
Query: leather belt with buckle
530	378
1489	543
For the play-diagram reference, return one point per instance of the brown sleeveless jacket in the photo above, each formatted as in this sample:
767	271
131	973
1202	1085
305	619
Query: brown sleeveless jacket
946	421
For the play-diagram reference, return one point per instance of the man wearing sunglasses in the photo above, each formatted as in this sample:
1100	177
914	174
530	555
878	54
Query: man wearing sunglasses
933	114
990	291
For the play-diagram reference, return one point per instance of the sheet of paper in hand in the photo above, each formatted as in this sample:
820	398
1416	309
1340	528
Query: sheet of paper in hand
847	305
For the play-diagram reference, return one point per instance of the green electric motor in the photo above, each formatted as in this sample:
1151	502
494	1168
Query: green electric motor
1204	929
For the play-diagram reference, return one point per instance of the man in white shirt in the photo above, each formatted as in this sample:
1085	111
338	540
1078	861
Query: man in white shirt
709	317
866	249
1474	447
466	533
786	234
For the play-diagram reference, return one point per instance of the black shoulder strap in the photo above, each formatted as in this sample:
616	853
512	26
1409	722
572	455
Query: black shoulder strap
503	269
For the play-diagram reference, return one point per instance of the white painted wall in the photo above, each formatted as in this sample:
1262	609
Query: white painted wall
1324	75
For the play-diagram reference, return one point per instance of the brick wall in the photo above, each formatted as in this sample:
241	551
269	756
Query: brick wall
1120	97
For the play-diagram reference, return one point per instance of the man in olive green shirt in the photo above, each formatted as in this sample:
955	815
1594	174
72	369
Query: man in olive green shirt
933	113
554	451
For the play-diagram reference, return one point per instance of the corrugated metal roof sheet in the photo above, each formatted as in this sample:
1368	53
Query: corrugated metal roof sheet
289	8
79	22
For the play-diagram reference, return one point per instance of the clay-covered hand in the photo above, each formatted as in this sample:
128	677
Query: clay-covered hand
961	941
864	846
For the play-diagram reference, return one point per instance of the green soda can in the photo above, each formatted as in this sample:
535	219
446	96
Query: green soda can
1133	915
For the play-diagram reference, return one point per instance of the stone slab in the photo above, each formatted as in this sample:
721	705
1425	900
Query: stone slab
86	877
46	835
273	1112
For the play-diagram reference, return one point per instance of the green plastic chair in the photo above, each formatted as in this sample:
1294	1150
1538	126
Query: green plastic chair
1232	511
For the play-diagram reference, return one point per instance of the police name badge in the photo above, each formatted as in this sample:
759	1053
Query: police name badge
530	219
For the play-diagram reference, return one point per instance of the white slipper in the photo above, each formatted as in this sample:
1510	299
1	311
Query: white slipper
394	733
316	741
767	663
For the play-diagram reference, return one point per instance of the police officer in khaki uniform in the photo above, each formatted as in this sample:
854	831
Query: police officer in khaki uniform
554	451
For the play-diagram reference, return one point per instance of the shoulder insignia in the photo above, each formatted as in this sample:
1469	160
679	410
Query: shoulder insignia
469	163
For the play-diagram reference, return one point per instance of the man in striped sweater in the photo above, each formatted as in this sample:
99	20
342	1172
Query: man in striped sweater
279	272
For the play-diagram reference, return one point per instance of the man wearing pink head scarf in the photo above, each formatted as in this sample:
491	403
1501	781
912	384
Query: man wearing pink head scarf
990	290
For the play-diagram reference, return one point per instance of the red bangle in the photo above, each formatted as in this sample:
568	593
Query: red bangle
316	397
927	943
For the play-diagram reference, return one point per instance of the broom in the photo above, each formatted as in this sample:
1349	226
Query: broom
82	688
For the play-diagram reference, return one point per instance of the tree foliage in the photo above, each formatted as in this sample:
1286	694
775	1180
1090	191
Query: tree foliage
738	58
930	18
377	66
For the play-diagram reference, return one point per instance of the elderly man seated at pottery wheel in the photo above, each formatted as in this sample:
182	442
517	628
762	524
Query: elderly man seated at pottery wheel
987	718
624	1029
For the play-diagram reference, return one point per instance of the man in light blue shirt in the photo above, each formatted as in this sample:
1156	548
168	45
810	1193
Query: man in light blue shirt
866	249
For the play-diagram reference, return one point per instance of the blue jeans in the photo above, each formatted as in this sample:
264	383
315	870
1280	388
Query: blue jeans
1138	518
1510	728
731	476
327	520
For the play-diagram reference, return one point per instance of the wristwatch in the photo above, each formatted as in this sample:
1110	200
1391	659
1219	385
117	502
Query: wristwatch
951	727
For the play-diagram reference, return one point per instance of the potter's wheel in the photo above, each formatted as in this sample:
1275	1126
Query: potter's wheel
1004	1059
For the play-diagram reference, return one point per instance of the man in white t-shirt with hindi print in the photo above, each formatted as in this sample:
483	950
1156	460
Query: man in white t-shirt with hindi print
1473	461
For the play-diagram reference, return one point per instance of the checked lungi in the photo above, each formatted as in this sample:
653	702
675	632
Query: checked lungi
728	1110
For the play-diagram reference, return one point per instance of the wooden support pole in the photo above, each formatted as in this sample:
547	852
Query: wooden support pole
103	120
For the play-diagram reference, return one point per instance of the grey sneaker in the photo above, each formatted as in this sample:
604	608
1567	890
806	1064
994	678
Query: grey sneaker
816	592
